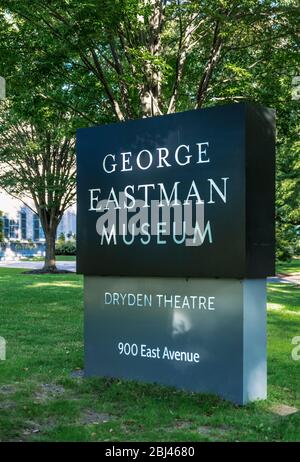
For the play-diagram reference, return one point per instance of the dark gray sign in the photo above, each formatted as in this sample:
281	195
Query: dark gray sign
162	203
197	334
184	195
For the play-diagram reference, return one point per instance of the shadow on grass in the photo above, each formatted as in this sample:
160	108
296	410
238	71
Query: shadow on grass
285	294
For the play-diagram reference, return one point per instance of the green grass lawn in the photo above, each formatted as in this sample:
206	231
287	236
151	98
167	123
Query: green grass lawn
41	318
291	266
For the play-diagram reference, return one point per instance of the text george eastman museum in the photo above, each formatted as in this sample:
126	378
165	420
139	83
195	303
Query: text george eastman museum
133	197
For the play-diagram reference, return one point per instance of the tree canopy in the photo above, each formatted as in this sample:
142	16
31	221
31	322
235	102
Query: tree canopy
105	61
37	159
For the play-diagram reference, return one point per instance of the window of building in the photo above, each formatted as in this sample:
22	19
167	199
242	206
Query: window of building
13	229
36	228
6	227
23	224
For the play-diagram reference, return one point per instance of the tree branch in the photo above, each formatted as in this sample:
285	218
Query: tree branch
209	68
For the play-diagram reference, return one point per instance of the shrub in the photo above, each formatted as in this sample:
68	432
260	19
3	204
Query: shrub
61	238
66	248
287	242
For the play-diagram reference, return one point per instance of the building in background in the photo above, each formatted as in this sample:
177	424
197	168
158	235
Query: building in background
21	224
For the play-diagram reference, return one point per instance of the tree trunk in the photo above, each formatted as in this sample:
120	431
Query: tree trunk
150	90
50	260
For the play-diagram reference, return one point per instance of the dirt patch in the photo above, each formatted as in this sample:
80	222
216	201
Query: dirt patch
214	432
49	391
179	425
7	389
7	405
33	427
95	418
283	410
217	433
77	374
182	424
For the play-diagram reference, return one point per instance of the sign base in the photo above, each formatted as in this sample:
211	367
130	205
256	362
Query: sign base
202	335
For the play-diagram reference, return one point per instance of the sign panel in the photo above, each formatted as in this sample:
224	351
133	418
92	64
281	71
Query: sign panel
2	88
198	334
183	195
175	237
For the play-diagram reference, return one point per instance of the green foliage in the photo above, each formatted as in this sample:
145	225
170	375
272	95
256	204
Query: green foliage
288	186
61	238
65	247
287	242
77	63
